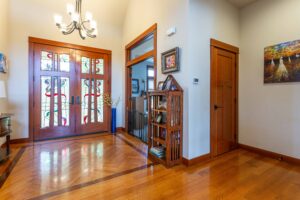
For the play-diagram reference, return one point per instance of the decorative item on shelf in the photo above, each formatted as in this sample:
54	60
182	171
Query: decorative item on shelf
160	85
170	61
3	63
135	85
281	62
165	115
87	27
158	118
113	104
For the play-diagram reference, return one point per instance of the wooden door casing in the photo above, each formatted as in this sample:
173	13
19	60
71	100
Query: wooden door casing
224	79
36	45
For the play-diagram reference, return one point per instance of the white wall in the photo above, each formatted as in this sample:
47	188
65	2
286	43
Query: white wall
197	21
207	19
35	18
3	44
269	114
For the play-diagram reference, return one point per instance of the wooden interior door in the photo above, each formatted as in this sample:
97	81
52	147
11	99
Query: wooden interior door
223	100
93	114
54	80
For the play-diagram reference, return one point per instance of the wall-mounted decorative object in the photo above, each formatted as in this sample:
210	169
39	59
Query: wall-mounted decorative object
170	61
86	26
282	63
3	63
135	86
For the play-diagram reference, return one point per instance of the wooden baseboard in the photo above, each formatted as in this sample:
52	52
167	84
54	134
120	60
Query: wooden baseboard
270	154
121	129
20	141
196	160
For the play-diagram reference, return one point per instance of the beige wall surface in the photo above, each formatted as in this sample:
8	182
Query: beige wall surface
196	21
35	18
269	113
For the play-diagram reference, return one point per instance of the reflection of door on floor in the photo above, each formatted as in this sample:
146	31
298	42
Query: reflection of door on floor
69	87
142	80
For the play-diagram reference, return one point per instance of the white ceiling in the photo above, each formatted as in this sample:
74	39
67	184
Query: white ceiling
241	3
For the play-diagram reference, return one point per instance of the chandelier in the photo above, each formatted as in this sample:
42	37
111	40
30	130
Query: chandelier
87	27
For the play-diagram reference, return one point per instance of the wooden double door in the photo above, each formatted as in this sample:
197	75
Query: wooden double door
69	91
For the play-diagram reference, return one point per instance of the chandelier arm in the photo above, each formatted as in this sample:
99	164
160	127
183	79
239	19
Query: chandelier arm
91	35
87	29
80	33
69	31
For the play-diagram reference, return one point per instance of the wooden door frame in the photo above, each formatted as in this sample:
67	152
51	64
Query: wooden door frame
221	45
129	63
32	41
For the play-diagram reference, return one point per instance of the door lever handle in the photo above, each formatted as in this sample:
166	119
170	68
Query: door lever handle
216	107
78	100
72	100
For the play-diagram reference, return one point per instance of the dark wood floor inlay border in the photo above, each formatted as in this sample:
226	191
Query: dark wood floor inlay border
86	184
11	166
133	146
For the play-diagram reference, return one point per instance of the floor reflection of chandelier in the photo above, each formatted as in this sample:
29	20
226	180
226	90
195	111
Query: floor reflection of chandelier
87	27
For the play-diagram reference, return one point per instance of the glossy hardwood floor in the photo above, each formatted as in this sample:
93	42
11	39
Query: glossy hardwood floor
116	167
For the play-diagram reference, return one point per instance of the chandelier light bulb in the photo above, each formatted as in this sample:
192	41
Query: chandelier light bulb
63	28
88	16
58	19
75	17
83	32
93	24
70	9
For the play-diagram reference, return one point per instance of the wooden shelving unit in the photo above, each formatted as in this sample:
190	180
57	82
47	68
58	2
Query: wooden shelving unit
166	134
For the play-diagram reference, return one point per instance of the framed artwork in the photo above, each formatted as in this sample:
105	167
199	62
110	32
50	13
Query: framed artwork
135	86
167	84
170	61
282	63
160	85
3	63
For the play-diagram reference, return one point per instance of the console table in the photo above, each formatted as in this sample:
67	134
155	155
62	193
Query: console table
5	130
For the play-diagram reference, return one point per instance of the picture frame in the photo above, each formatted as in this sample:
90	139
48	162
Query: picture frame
167	83
3	63
135	86
170	61
160	85
158	118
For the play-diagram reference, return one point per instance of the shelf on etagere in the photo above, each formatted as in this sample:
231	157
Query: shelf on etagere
159	125
159	110
159	140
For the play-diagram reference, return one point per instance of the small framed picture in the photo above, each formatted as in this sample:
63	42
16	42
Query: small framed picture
135	86
158	119
160	85
3	63
170	61
167	84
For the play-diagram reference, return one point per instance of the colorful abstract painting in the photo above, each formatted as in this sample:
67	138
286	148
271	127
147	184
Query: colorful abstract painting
282	63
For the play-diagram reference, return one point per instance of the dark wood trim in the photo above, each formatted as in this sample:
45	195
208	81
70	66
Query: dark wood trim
235	50
141	37
67	45
20	141
140	58
129	63
11	166
271	154
121	129
133	146
93	182
224	46
197	160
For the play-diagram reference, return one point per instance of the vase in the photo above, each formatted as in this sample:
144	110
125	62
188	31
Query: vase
113	120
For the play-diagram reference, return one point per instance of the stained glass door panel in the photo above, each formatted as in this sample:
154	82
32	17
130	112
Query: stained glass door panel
54	96
94	85
69	87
